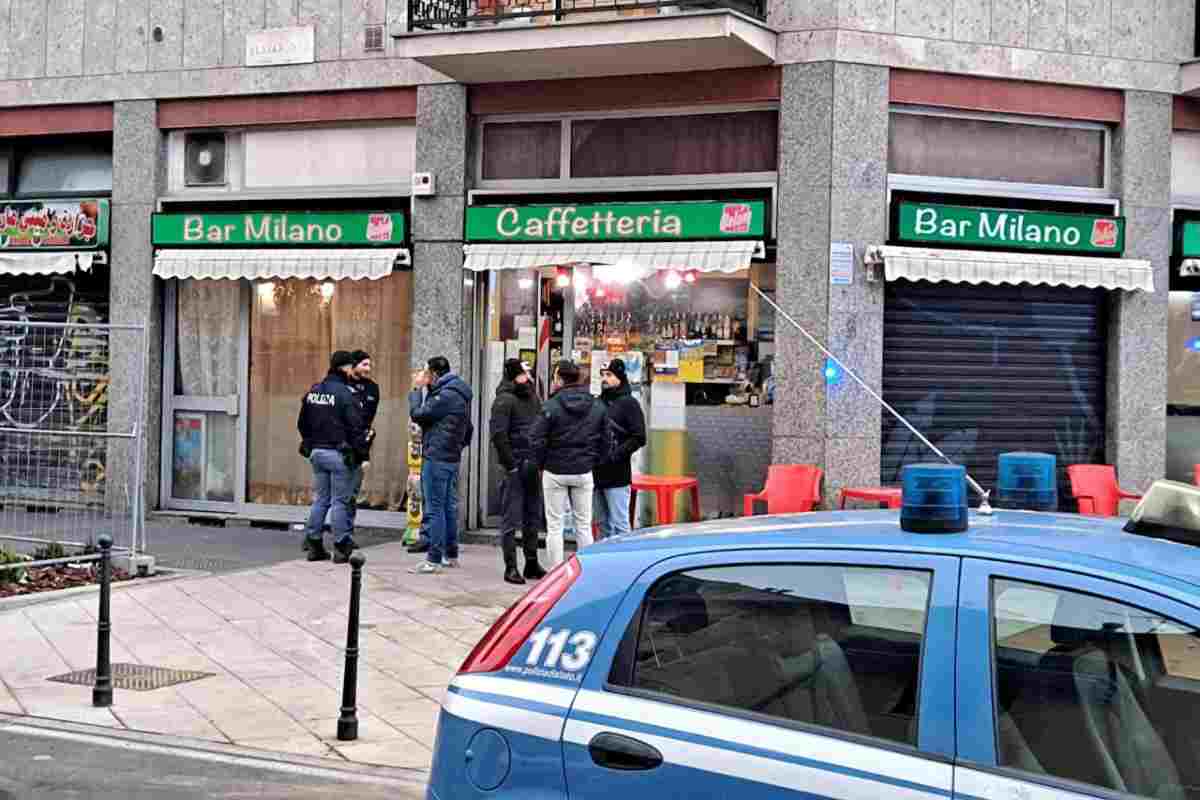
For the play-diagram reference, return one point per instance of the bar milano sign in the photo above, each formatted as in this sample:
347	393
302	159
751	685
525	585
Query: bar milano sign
289	228
1007	229
617	222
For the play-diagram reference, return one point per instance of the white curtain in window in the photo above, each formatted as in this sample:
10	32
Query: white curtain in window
207	344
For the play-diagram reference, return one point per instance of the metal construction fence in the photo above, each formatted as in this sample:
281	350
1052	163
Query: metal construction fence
72	433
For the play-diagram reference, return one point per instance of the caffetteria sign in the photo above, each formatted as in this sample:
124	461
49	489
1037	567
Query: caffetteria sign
1005	229
269	228
616	222
54	224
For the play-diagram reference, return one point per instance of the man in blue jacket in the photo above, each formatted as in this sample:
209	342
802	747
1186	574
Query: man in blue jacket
444	415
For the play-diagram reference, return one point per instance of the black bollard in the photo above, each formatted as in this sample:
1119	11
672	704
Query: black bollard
347	729
102	692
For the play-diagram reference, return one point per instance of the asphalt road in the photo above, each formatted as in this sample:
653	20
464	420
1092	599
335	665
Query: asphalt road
208	548
41	759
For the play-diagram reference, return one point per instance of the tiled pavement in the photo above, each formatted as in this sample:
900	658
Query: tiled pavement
273	638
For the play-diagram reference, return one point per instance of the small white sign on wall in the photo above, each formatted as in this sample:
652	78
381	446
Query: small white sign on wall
841	263
281	46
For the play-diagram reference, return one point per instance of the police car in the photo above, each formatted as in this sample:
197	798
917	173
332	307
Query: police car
849	655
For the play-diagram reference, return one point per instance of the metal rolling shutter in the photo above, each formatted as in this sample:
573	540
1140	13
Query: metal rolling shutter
982	370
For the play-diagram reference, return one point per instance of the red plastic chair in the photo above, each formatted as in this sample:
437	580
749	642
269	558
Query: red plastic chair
1095	488
1196	479
790	488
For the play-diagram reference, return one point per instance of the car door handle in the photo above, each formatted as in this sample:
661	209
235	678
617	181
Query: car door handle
613	751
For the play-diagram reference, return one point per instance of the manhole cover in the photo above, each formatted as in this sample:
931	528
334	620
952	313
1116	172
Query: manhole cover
134	677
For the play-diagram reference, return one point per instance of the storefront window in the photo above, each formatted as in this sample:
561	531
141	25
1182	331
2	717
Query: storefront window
697	348
1183	385
959	147
294	327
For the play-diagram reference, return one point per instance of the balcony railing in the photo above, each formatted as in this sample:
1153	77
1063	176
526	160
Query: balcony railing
444	15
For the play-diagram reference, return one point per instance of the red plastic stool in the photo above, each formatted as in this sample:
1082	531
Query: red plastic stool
664	488
893	497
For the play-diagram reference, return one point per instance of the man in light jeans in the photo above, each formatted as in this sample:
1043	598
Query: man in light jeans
627	429
568	442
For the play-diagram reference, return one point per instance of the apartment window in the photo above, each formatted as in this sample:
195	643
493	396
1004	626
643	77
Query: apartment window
521	150
728	143
694	144
82	167
981	149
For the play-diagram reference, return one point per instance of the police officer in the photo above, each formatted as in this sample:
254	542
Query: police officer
333	436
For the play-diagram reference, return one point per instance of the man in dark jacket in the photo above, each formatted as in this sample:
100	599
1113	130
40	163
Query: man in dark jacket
444	414
627	432
333	436
569	440
367	392
514	413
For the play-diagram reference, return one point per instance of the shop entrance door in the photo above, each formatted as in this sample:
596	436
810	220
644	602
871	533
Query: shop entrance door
518	313
204	417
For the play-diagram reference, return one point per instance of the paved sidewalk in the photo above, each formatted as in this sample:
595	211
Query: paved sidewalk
273	638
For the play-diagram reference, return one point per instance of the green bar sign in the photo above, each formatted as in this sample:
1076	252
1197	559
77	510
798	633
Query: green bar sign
54	224
280	228
616	222
1007	228
1191	239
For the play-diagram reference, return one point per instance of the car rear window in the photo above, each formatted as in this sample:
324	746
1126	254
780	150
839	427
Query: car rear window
834	646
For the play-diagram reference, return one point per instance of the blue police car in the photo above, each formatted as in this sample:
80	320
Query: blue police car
846	655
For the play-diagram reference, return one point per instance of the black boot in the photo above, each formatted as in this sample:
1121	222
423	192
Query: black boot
316	550
342	551
512	576
529	543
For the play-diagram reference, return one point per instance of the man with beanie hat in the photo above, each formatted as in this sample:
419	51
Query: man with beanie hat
333	436
627	434
514	412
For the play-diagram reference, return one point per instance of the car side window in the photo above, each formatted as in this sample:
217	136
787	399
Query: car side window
835	646
1095	690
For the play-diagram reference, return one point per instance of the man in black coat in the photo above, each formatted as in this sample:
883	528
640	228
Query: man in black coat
333	436
569	440
514	413
627	435
367	392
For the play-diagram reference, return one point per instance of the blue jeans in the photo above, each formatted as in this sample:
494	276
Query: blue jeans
440	480
611	511
334	484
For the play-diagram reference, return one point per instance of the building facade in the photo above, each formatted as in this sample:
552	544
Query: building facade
988	209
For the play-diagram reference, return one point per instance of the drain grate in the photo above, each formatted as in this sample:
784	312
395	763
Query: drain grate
134	677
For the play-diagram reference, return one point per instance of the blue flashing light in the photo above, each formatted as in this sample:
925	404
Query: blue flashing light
935	498
833	373
1193	344
1028	481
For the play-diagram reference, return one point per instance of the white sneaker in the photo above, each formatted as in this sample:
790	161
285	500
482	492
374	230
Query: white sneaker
451	563
426	568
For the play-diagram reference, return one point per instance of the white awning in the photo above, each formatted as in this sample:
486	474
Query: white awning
62	262
708	256
986	266
321	264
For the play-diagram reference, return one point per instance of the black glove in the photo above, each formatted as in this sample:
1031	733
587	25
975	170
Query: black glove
305	450
349	457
